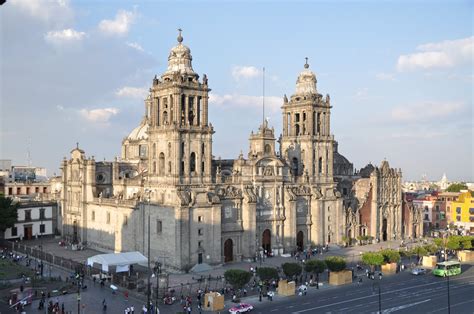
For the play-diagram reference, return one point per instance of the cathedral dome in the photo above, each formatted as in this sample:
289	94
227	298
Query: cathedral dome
180	59
306	82
139	133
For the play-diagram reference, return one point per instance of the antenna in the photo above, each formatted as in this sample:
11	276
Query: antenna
263	98
28	152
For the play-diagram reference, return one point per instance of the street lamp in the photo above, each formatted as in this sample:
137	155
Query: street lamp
377	285
157	271
445	238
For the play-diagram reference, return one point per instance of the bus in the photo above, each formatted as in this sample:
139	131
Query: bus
450	268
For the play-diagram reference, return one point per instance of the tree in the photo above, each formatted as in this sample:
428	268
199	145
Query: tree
8	214
316	267
439	242
267	273
419	251
291	269
373	259
237	277
390	256
335	263
456	187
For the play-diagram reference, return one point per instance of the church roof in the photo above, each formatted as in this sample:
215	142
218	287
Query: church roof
139	133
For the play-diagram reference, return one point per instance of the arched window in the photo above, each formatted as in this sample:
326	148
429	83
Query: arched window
320	165
161	166
169	149
154	150
192	162
182	150
165	117
169	166
294	166
202	149
297	129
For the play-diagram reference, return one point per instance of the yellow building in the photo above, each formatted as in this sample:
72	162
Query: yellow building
462	212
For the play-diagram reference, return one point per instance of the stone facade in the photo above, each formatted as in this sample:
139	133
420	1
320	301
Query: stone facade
195	209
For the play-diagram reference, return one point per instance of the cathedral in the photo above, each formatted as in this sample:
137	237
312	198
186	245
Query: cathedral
287	193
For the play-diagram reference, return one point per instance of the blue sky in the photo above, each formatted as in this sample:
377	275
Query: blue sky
400	74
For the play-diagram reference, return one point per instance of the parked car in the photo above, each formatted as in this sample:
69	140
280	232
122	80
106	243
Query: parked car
241	308
418	271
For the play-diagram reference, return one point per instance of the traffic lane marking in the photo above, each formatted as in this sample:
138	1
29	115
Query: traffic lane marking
370	296
453	305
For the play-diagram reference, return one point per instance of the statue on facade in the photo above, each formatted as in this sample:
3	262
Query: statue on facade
285	99
204	79
155	80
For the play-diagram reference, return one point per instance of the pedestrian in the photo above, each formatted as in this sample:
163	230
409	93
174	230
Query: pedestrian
132	310
360	280
127	310
380	276
189	309
260	297
62	309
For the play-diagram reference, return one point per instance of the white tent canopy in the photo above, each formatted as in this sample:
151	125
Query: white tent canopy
121	260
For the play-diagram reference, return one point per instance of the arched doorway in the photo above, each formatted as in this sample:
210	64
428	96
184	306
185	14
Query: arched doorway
228	251
300	240
267	241
384	229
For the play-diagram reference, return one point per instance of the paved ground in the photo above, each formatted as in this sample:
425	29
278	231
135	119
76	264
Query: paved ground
320	300
401	293
352	254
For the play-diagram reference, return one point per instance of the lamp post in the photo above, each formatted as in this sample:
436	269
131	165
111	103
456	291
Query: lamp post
374	285
157	273
447	275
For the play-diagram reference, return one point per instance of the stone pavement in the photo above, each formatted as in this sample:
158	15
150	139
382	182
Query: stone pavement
352	255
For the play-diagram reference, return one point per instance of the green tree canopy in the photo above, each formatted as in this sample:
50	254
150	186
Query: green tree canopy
315	266
456	187
335	263
237	277
390	256
420	251
291	269
373	258
267	273
8	213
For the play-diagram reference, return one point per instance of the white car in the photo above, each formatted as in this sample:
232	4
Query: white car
241	308
418	271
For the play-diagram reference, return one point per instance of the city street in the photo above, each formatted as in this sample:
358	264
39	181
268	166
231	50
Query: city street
401	293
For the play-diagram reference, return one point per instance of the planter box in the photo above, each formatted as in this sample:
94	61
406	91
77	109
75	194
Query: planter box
430	261
342	277
213	301
286	288
466	256
389	269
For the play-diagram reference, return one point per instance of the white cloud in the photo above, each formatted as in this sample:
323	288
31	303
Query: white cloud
426	111
132	92
245	72
272	103
65	36
136	46
362	93
44	10
120	25
99	116
444	54
385	76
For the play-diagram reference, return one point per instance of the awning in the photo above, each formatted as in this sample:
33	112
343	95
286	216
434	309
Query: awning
121	260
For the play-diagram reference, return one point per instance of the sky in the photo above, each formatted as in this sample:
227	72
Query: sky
400	75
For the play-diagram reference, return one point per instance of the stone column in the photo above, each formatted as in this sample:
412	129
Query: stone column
204	109
285	124
186	110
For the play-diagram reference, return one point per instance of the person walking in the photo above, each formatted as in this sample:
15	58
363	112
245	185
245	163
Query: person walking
380	276
132	310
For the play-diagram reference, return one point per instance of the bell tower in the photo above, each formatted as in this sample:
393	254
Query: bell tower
307	143
180	137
